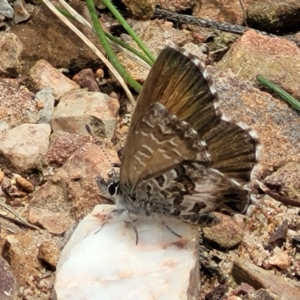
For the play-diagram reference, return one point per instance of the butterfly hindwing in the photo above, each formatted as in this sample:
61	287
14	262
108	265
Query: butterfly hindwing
189	192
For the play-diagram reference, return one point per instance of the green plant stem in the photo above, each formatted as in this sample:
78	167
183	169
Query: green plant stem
110	37
280	92
121	20
131	49
103	40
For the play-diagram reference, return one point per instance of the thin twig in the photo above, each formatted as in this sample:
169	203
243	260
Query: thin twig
165	14
21	221
276	196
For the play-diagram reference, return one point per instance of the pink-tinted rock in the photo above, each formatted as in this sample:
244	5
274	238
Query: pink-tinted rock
73	189
16	107
44	75
280	259
244	271
25	144
10	54
276	59
79	108
53	222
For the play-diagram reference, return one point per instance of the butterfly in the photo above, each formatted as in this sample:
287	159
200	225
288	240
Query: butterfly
182	158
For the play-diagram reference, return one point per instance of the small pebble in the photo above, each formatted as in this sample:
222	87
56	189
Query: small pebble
24	184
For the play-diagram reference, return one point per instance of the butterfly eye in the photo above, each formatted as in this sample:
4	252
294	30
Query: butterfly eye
112	188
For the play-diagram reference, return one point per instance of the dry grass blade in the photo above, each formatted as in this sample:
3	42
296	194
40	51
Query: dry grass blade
84	22
244	12
19	221
276	196
93	47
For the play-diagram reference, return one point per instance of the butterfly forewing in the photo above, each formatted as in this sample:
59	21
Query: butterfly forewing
157	142
179	81
176	82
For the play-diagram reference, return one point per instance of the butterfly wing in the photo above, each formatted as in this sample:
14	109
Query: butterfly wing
157	142
190	191
233	150
176	97
176	83
181	84
179	81
168	172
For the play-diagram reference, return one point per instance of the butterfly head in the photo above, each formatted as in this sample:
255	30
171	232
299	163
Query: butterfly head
109	189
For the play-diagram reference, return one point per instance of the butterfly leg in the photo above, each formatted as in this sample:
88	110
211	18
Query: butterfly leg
173	232
133	225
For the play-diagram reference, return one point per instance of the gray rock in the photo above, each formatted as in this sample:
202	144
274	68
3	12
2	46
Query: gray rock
8	284
46	100
5	9
21	13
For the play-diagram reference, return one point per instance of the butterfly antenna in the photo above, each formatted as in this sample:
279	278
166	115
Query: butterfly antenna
88	129
114	211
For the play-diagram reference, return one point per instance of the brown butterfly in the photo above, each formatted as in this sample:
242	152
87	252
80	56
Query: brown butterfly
182	158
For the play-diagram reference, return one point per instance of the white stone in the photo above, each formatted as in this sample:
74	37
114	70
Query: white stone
108	264
25	144
79	108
